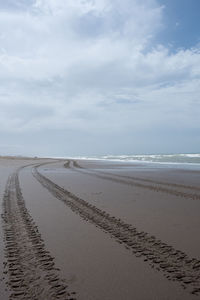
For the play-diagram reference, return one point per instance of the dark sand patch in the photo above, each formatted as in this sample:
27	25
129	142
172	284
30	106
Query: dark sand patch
175	264
89	259
170	218
96	266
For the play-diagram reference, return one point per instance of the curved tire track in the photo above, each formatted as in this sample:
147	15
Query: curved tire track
175	264
30	267
175	185
138	182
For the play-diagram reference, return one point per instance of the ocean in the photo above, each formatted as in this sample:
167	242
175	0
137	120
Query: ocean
176	160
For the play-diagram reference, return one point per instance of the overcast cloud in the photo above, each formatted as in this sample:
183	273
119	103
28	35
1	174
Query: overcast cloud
91	77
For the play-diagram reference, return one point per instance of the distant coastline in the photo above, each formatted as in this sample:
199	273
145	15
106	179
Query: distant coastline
188	158
172	159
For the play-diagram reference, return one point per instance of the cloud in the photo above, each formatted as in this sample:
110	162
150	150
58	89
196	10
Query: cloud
93	66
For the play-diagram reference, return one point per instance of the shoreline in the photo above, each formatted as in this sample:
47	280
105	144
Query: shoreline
159	208
116	160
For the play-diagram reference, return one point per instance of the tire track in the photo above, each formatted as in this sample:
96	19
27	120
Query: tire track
29	266
175	264
175	185
138	182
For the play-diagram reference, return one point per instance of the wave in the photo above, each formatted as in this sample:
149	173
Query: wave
154	158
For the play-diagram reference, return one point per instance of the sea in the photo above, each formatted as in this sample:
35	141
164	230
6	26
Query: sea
159	158
189	160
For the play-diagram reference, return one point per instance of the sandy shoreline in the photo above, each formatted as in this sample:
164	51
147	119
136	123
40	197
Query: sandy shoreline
113	231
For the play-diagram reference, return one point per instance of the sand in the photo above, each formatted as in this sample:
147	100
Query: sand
95	230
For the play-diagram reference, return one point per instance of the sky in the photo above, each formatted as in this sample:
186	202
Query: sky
97	77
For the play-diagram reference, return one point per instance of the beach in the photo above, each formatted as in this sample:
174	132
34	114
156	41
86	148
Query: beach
91	230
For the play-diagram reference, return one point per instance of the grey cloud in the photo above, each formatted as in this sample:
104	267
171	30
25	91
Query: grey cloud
26	111
82	77
18	5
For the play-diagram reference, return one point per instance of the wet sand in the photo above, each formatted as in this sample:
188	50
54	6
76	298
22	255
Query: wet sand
103	230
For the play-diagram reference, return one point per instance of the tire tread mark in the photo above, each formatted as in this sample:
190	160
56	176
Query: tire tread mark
175	264
133	182
30	267
184	186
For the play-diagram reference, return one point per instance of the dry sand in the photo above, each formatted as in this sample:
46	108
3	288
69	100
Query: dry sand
92	230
